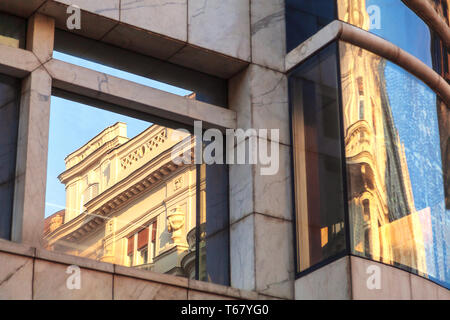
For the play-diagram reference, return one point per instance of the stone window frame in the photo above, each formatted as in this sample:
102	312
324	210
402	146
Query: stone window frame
40	74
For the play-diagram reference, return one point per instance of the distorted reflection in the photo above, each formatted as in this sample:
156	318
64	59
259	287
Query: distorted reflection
120	197
397	23
395	179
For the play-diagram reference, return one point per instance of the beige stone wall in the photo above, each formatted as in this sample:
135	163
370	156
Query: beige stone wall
30	273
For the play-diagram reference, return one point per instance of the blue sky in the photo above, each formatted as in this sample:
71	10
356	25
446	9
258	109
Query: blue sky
73	124
413	107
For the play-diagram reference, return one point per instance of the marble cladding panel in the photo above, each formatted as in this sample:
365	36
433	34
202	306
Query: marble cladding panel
221	26
260	98
242	253
222	290
16	274
311	45
269	99
331	282
96	20
241	191
107	8
274	256
443	293
272	183
394	284
423	289
268	33
199	295
208	61
167	17
126	288
239	98
142	41
51	279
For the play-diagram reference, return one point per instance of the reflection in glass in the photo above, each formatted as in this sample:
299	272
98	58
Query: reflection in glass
317	153
397	23
394	169
305	17
9	123
116	192
442	9
12	30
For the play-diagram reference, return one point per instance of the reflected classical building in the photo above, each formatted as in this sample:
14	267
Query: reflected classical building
386	225
128	202
441	57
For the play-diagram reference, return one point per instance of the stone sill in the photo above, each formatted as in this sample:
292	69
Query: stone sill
198	286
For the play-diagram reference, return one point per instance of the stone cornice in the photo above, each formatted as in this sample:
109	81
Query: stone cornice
79	168
106	135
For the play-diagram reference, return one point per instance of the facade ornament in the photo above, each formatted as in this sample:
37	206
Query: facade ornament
55	222
175	223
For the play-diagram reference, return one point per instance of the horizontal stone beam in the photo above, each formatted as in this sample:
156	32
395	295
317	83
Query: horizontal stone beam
17	62
128	94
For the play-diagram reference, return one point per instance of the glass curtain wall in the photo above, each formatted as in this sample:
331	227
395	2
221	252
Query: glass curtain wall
379	154
394	166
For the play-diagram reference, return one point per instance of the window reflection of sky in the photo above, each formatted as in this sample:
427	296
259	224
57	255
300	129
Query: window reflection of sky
404	28
414	111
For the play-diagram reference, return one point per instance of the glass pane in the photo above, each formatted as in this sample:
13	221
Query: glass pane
317	156
395	179
397	23
305	17
9	122
115	192
12	31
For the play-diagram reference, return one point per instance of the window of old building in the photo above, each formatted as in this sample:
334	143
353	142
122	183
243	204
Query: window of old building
143	215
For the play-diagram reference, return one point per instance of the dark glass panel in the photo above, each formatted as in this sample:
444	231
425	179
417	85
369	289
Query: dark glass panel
305	17
317	152
9	122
